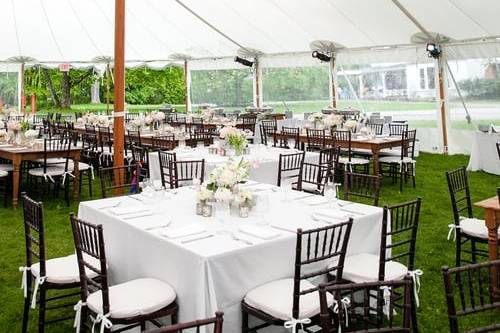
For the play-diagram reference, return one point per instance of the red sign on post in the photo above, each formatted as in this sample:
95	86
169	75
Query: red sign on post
64	67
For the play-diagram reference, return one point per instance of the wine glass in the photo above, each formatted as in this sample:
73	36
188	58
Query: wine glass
331	193
262	208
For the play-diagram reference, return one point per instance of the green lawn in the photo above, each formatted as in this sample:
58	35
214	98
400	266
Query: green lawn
433	250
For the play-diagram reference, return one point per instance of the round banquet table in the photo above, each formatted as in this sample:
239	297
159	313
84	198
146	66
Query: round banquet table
484	156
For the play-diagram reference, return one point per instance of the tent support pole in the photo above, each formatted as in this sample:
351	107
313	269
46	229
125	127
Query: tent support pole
119	93
187	86
442	103
333	82
257	84
108	71
22	102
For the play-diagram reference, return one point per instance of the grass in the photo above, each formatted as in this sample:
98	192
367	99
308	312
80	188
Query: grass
433	251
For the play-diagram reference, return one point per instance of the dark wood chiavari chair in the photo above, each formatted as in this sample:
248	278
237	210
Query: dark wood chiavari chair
466	228
376	128
317	247
267	130
131	303
90	128
200	136
116	181
498	149
54	171
288	134
367	307
347	159
163	142
397	129
404	164
470	293
316	139
130	116
134	137
313	178
330	157
216	322
165	158
186	171
362	186
290	166
140	157
45	274
396	258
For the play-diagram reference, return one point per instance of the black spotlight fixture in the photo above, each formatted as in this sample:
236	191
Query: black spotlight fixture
433	50
321	56
243	61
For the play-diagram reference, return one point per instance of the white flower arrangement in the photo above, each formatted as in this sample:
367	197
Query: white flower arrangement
102	121
204	194
80	121
148	120
207	114
223	195
315	117
137	122
332	120
236	138
244	197
228	175
351	124
226	131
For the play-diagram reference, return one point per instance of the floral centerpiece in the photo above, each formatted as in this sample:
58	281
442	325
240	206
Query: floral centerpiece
235	138
316	119
244	198
351	125
333	121
137	123
207	114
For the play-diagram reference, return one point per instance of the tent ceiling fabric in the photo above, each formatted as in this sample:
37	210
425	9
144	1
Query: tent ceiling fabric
79	31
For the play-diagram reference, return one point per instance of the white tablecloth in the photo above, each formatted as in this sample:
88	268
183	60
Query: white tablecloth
265	160
484	154
214	273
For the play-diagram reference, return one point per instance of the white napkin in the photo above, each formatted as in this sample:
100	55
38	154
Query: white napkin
258	232
315	200
150	222
129	210
188	230
330	214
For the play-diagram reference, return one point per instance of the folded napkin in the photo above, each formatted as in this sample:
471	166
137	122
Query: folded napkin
331	214
315	200
129	210
150	222
258	232
188	230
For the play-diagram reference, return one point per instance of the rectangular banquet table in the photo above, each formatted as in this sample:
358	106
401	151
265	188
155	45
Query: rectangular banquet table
215	273
264	158
18	154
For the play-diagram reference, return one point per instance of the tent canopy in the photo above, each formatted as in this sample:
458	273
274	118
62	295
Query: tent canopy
78	31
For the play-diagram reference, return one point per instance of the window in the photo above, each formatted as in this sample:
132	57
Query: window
422	78
430	78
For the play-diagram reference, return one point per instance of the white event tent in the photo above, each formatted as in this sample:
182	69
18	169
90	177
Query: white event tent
207	35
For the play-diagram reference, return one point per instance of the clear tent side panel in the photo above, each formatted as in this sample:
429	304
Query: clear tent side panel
231	89
9	86
478	81
393	88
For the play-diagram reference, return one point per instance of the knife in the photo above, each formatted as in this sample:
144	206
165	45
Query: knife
197	238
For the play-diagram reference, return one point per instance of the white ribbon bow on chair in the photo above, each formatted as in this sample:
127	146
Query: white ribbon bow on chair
48	176
346	302
294	322
38	282
78	315
67	173
453	229
415	276
24	281
387	300
104	320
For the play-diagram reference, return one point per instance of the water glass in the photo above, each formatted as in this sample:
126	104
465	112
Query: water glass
263	208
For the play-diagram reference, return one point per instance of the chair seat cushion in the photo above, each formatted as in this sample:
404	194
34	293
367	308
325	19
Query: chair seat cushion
390	152
81	166
3	173
134	298
395	159
354	161
6	167
276	298
63	270
364	268
52	160
308	187
475	228
50	171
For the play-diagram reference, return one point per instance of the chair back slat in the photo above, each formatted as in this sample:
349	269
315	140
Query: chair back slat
471	294
399	234
316	139
120	180
367	310
34	232
166	157
163	142
186	171
89	243
458	186
318	252
377	128
363	186
290	166
396	129
286	135
313	176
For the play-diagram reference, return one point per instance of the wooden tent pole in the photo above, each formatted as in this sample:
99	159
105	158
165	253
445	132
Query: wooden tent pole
442	104
119	93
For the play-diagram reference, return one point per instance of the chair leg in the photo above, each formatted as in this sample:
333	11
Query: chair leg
173	317
473	249
41	310
143	326
244	321
458	250
26	310
414	323
401	176
89	174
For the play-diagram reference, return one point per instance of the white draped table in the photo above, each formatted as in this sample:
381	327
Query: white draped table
263	158
484	154
215	273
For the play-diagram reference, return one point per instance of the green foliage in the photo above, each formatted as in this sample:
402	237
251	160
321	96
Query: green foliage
481	88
